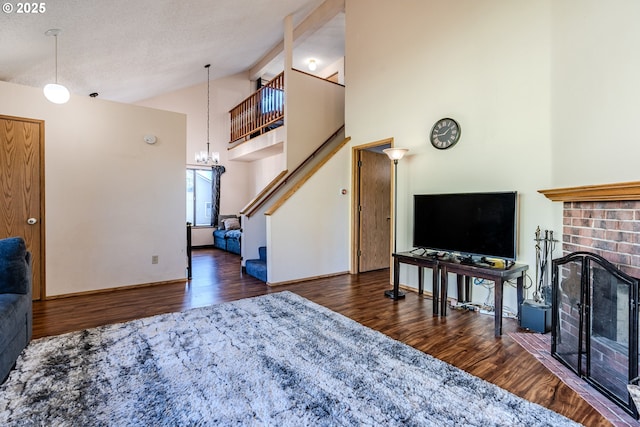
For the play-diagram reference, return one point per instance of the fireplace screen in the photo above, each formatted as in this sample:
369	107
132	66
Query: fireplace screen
595	324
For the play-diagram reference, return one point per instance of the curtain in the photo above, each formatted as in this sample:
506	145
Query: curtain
216	172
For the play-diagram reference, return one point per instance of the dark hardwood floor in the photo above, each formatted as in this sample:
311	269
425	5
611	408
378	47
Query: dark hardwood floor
464	339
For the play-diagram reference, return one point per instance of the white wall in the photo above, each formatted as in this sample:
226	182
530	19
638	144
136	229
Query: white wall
314	110
596	91
254	235
265	170
201	236
112	201
486	64
236	188
306	236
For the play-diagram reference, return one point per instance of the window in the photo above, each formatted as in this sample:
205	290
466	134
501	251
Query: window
199	197
272	100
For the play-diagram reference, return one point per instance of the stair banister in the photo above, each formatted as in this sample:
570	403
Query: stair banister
274	190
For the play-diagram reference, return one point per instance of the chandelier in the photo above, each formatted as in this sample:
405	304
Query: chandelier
206	157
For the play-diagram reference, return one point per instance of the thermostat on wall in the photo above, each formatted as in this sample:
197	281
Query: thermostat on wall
150	139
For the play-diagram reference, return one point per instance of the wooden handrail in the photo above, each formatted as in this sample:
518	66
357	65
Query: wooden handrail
305	178
260	110
264	191
282	182
316	77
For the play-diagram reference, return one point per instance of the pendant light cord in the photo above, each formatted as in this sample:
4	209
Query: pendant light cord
56	52
208	66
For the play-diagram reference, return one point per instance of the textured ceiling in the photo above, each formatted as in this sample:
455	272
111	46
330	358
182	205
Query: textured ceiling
129	50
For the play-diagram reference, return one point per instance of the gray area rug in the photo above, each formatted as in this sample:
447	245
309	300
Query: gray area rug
277	360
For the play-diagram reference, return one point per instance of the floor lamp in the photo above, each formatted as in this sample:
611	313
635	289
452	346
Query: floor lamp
395	154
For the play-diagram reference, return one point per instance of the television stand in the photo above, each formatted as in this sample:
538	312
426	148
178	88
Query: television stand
441	269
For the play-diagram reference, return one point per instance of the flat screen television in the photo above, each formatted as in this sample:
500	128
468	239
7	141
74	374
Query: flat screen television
472	224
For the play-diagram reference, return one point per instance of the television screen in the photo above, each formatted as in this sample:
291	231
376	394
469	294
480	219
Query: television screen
483	224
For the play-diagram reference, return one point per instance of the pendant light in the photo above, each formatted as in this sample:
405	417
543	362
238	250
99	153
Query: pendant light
55	92
205	157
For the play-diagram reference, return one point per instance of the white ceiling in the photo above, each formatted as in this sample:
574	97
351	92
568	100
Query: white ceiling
129	50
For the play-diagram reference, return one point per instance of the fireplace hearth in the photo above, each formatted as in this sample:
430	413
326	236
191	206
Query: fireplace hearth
595	323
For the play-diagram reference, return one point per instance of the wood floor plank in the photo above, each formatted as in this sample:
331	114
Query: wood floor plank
463	338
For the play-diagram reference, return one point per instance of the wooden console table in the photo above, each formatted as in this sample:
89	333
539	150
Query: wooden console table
420	261
442	268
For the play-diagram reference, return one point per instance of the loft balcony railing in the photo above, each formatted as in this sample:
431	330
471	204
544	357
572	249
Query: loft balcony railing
260	112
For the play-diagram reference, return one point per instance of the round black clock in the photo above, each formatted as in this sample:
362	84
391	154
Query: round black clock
445	133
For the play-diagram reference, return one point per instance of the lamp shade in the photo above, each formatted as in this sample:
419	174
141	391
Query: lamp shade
395	153
56	93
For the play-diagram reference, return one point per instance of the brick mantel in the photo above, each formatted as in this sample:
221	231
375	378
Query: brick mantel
604	192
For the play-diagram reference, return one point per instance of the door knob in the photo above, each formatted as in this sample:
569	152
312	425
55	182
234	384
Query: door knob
32	221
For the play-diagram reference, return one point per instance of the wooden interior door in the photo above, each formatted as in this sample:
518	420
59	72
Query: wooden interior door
21	202
374	210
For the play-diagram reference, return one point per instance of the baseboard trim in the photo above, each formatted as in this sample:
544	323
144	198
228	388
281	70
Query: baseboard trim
289	282
114	289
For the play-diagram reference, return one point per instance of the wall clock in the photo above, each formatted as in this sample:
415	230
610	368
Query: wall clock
445	133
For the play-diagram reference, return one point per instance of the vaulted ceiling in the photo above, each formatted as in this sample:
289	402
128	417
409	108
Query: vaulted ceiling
132	50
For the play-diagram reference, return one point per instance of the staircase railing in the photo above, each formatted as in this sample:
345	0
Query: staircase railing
264	191
305	178
283	180
260	112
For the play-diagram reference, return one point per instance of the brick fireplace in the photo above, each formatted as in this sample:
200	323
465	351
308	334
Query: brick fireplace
595	287
608	228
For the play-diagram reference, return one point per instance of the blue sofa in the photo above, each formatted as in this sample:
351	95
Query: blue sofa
16	313
226	239
258	267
